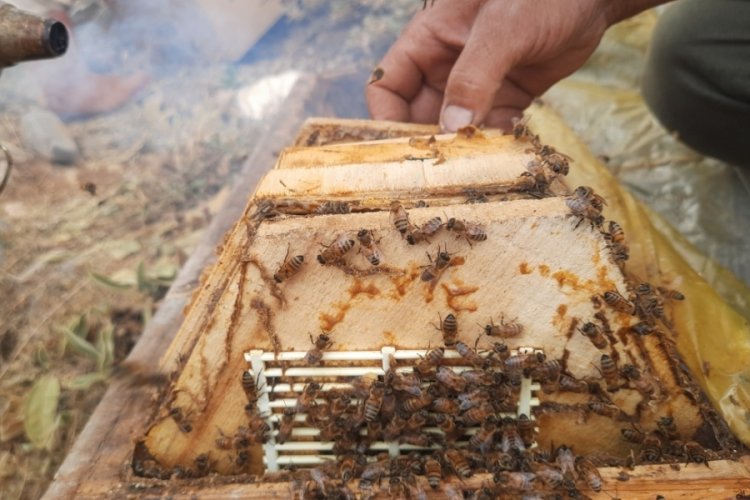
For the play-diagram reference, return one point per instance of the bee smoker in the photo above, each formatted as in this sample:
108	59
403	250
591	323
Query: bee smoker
26	37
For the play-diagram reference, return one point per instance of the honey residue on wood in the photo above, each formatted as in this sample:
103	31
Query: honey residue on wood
401	283
359	288
454	291
328	321
543	270
524	268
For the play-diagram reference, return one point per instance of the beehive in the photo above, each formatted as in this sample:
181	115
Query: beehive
540	266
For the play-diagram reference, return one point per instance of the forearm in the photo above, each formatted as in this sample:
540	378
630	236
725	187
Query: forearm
619	10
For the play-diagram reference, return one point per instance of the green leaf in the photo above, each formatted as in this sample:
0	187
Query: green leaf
107	281
85	381
106	347
80	327
141	278
40	412
81	345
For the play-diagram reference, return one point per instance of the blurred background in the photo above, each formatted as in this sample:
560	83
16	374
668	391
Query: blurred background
127	147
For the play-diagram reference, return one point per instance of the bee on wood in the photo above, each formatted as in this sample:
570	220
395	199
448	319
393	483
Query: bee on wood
335	251
586	204
202	464
179	418
286	425
618	302
374	401
668	428
223	442
558	162
470	355
604	409
449	426
696	453
633	435
307	398
449	329
615	234
448	406
430	362
422	440
416	404
479	377
483	439
242	459
434	472
457	461
478	414
315	355
548	371
400	218
642	328
670	294
450	379
402	382
594	334
569	384
417	421
511	438
435	268
504	330
471	232
425	231
474	196
259	428
566	462
368	247
650	448
501	350
551	477
376	470
471	399
348	467
609	372
289	267
637	380
395	427
333	207
264	209
522	131
250	387
590	473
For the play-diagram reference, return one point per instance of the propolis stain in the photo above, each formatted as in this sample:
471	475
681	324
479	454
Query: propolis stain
524	268
358	287
328	321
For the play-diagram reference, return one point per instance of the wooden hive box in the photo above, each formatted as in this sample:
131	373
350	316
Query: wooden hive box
531	262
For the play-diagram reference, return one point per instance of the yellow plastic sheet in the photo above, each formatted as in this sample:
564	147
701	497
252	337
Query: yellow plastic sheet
712	336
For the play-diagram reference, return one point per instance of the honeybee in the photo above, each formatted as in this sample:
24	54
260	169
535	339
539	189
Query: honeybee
522	131
565	461
670	294
590	473
449	328
618	302
605	409
286	425
416	404
374	401
333	207
182	422
307	398
511	438
378	73
568	383
471	232
336	250
478	414
433	471
432	360
223	442
642	328
289	267
484	437
696	453
264	209
609	372
368	247
594	334
457	461
470	355
668	428
526	429
400	218
447	424
550	476
435	269
650	448
448	406
347	467
450	379
315	355
427	230
479	377
500	349
642	384
250	387
422	440
407	383
633	435
259	428
558	162
586	204
395	427
505	330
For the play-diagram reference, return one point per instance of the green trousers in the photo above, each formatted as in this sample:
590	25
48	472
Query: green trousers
697	76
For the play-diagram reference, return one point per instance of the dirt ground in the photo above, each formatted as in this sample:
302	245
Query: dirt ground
87	251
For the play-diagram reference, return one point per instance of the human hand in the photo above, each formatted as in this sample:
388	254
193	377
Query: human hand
484	61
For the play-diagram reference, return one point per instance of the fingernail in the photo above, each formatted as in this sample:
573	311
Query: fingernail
455	117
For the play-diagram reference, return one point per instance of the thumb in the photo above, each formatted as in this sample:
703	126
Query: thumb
475	77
